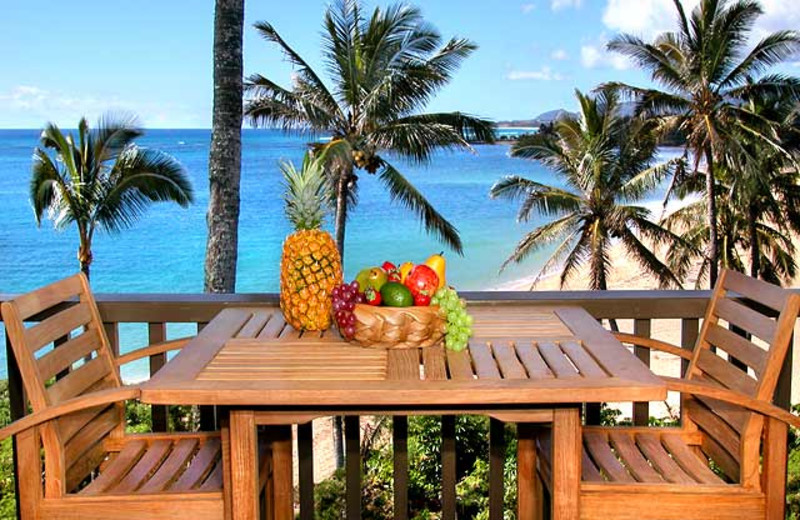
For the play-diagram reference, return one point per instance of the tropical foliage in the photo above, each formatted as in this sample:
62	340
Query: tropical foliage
708	75
383	69
101	179
607	164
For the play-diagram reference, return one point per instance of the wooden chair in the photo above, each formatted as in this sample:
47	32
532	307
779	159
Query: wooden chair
91	468
728	458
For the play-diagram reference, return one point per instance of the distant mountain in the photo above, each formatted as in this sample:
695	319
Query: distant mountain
543	118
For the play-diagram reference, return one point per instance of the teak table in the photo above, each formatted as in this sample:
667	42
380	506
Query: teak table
524	364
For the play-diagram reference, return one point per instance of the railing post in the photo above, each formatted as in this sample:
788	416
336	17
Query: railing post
157	333
400	466
112	333
305	471
690	331
16	398
352	441
497	459
641	411
448	467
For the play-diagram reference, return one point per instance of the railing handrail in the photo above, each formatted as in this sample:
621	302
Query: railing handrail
193	307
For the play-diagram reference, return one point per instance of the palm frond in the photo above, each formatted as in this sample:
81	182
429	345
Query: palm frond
304	71
141	176
402	191
542	236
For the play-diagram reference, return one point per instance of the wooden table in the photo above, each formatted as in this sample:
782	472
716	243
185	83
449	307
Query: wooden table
524	364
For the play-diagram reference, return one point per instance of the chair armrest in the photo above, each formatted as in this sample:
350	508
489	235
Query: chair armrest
152	350
723	394
102	397
653	344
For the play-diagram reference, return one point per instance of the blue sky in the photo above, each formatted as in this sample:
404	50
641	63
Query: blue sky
62	60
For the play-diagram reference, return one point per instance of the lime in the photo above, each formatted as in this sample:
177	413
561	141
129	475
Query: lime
395	294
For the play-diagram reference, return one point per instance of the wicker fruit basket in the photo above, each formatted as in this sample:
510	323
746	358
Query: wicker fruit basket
397	327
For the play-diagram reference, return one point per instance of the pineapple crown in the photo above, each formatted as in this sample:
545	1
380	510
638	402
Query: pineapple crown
307	192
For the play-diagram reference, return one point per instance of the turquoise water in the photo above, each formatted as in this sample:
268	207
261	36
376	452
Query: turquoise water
164	252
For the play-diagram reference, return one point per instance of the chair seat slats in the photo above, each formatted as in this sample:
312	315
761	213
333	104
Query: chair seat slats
687	460
214	480
199	467
655	453
597	445
171	469
632	458
152	458
117	469
589	472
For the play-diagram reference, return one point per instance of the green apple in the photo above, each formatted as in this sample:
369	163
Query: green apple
373	277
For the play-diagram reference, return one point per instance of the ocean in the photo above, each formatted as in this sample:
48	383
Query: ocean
164	251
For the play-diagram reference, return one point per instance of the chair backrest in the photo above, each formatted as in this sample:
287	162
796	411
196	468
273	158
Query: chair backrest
747	357
63	355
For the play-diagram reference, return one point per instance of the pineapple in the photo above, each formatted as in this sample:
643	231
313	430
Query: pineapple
310	263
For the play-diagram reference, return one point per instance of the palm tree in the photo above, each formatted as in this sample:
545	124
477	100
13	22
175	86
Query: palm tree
383	70
769	241
225	156
762	188
607	164
765	185
706	73
102	179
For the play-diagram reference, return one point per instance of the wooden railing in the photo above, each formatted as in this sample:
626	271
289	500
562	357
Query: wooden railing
635	311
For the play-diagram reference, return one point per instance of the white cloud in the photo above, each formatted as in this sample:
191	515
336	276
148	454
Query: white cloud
595	56
557	5
27	106
543	74
527	8
646	18
559	55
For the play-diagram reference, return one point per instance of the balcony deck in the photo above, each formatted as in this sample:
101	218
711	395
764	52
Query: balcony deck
676	314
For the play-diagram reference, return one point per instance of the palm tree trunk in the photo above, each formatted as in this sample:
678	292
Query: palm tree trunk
225	158
711	216
755	250
85	255
342	189
603	286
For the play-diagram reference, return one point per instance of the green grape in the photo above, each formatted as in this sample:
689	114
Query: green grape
452	317
470	321
434	301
